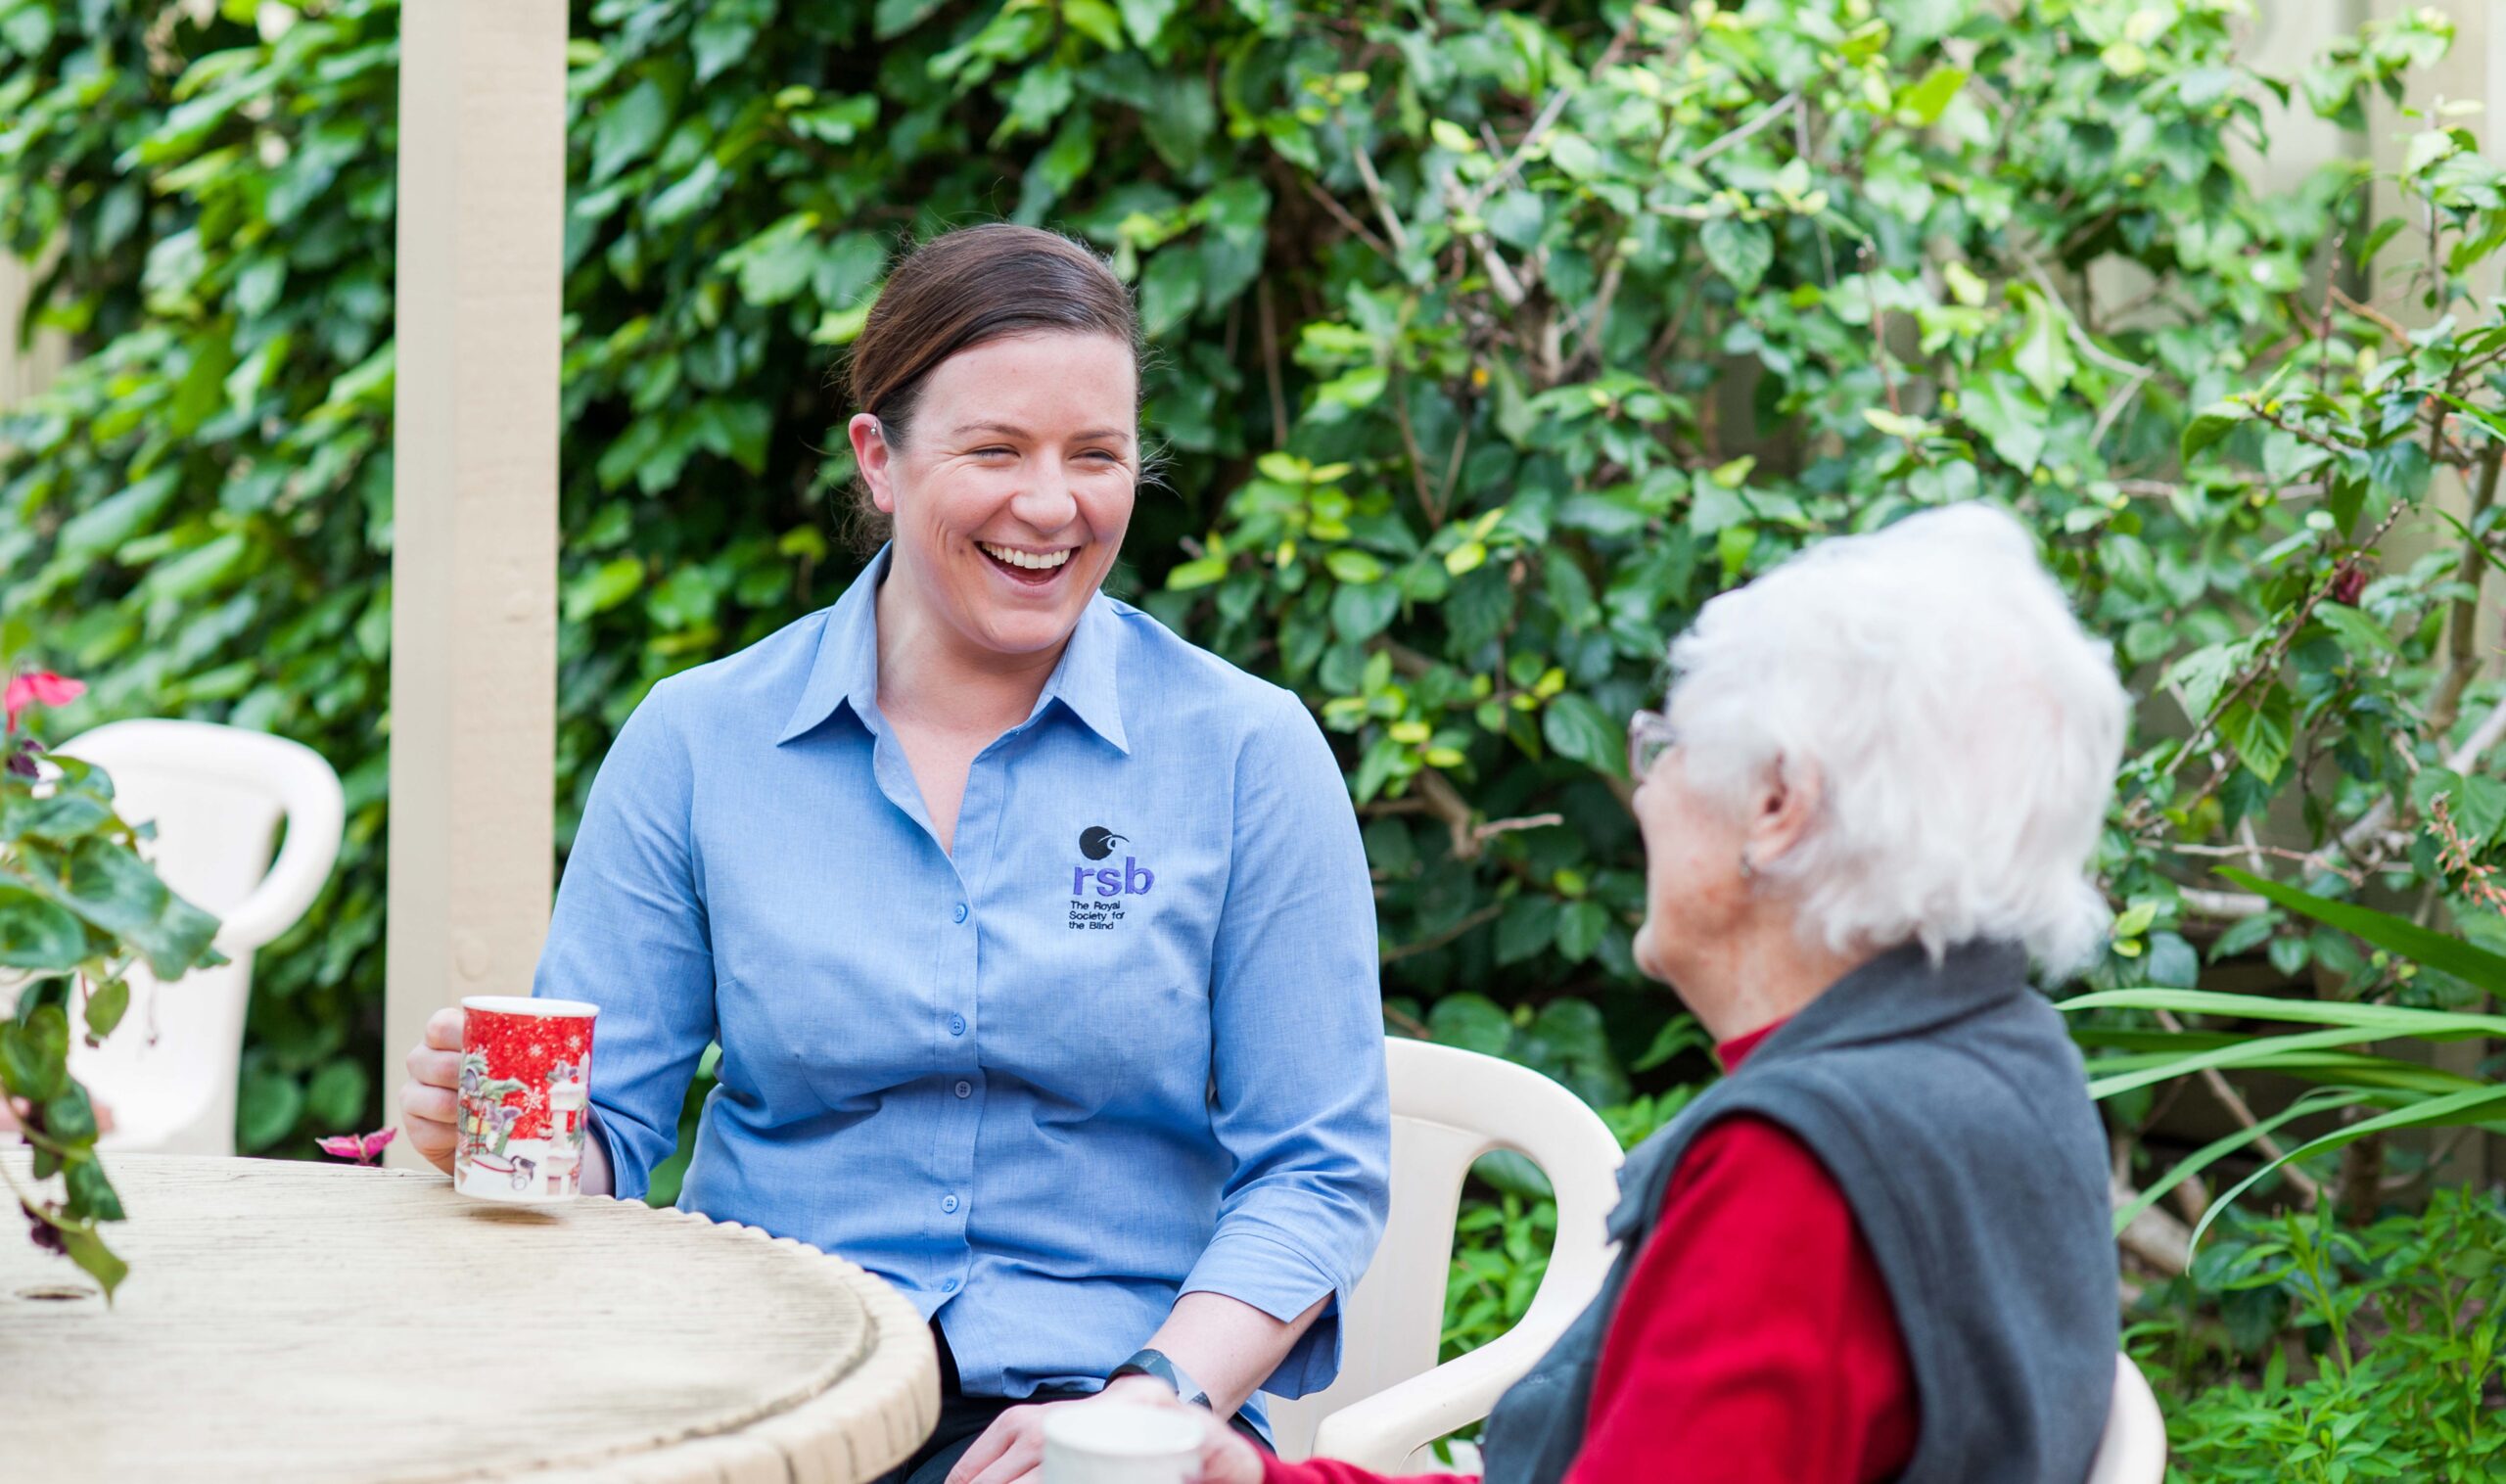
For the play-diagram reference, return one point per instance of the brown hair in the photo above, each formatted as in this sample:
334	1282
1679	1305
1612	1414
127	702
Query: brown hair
963	289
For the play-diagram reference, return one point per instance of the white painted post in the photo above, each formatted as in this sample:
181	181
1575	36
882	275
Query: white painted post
474	566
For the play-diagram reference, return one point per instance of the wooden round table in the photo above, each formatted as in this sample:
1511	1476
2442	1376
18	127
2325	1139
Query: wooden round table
291	1322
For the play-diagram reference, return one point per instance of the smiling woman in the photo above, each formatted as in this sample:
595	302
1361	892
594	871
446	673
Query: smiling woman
1038	943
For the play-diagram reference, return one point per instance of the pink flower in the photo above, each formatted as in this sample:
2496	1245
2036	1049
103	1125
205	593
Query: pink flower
40	688
365	1148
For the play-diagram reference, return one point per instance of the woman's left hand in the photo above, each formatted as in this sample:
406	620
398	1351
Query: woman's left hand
1011	1451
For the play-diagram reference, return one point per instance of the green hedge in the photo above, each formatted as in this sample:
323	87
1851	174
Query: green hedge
1490	343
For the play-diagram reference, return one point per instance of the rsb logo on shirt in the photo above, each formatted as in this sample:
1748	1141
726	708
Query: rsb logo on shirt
1097	890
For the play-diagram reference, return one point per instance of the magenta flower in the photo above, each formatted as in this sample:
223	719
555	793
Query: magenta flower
365	1148
40	688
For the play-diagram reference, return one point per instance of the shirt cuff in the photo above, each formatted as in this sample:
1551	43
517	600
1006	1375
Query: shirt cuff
1283	1282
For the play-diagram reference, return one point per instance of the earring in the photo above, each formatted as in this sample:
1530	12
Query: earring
1748	868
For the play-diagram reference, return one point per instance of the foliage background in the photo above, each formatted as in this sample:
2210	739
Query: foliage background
1490	343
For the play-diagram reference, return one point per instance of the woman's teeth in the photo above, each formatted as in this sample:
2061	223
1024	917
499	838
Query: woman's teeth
1031	561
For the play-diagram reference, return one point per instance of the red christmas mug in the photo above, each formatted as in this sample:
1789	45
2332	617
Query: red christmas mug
524	1097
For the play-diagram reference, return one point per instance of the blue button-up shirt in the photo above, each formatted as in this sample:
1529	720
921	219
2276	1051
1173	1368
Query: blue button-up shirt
1126	1043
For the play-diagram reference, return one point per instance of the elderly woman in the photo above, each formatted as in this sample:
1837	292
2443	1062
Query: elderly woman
1039	943
1879	1248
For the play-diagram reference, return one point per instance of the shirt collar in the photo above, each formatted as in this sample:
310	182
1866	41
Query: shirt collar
846	670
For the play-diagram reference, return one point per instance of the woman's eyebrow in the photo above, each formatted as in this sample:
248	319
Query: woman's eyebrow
1013	430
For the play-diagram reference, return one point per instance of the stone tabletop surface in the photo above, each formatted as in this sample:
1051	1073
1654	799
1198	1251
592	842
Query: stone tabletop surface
287	1321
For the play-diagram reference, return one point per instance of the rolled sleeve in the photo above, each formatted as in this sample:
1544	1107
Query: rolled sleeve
1298	1066
628	935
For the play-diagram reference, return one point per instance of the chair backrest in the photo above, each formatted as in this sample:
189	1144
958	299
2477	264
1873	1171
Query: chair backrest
216	796
1450	1107
2133	1449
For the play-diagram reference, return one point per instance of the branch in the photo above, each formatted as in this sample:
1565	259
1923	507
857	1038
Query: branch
1434	941
1500	275
1493	828
2088	347
2462	630
2298	1180
1340	214
1375	192
1271	364
1548	115
2153	1236
1427	505
2379	317
1769	115
2269	664
2490	731
2302	430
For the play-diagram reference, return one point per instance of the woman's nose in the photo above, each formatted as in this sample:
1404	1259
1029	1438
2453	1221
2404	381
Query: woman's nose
1045	502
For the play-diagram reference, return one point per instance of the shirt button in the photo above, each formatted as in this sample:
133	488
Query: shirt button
959	915
947	1285
949	1203
965	1089
956	1025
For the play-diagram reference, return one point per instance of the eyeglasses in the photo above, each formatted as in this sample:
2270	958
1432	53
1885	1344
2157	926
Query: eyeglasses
1649	735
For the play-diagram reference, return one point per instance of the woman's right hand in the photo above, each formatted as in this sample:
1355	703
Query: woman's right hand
430	1098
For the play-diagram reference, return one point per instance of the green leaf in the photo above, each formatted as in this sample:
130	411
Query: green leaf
1740	251
2370	1021
1681	1033
2483	970
2220	1148
97	1260
104	883
2478	1105
268	1106
2211	424
1527	928
2262	731
38	934
891	19
1201	572
1929	99
34	1051
1472	1022
106	1006
1580	926
1580	730
2359	634
335	1100
1169	290
2044	351
91	1193
1352	566
1146	18
625	131
603	588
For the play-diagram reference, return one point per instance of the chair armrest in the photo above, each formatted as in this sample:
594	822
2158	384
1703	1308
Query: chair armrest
1382	1431
316	814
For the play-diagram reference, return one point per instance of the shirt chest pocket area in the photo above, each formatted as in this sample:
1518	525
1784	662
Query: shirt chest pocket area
1100	990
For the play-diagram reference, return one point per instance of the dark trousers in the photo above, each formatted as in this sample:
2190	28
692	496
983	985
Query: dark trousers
964	1419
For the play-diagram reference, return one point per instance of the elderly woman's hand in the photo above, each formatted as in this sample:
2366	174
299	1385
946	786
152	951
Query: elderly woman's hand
429	1100
1226	1457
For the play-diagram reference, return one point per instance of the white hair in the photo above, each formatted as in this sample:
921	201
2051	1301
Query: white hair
1963	729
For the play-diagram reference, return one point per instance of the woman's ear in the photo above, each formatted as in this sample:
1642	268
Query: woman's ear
870	453
1788	809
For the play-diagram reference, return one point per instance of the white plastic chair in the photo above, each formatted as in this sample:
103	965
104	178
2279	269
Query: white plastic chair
1450	1107
2133	1448
217	795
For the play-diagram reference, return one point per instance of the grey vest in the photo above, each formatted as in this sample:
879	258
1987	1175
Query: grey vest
1950	1106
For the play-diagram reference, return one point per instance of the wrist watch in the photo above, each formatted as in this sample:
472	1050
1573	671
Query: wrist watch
1154	1362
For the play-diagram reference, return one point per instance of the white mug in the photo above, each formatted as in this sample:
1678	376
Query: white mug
1122	1443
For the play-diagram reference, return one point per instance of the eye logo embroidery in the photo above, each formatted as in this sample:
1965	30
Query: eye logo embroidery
1096	842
